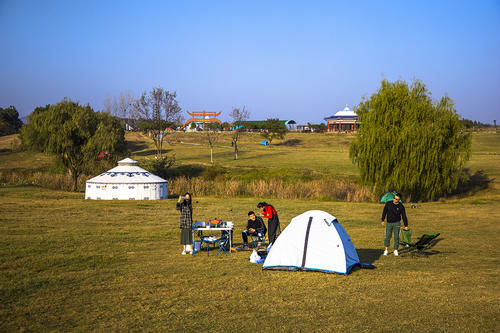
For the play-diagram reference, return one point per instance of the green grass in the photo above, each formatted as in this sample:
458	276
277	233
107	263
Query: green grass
324	153
71	264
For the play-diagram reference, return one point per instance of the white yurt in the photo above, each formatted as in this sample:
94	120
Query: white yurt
127	181
314	241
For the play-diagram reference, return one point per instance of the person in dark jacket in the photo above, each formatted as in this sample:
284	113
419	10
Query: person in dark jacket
186	222
395	211
255	227
273	222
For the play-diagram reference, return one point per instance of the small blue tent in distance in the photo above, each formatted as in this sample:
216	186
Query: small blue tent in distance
264	143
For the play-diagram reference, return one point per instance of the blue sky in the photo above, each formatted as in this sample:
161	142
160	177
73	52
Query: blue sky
286	59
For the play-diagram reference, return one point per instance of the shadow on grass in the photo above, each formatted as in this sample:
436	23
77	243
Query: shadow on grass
151	152
369	256
469	184
137	145
290	143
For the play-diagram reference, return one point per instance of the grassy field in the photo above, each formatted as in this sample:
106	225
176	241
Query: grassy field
70	264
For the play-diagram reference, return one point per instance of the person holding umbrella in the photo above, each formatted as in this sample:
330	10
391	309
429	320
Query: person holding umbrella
395	211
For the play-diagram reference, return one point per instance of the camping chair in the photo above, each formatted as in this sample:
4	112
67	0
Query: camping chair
405	236
424	243
221	242
255	240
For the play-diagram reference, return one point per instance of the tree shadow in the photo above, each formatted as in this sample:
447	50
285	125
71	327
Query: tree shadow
136	145
151	152
189	171
290	143
470	184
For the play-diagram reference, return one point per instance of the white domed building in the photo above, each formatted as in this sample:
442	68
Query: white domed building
343	121
127	181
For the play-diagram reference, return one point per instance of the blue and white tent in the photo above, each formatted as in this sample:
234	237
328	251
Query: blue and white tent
314	240
264	143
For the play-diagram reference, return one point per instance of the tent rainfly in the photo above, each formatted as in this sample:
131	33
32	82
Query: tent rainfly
127	181
315	241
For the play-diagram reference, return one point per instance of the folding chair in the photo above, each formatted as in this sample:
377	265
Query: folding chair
405	236
221	242
424	243
255	240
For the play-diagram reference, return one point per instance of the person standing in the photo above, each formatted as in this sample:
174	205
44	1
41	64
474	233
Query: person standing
273	222
186	222
394	210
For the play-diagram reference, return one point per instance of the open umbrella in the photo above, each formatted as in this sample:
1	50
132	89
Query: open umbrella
389	196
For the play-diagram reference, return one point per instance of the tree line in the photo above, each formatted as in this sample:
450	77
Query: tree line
406	142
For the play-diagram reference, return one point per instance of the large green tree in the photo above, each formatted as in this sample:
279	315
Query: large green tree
9	121
408	143
75	134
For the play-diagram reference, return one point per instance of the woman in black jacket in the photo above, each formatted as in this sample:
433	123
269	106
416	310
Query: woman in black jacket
186	222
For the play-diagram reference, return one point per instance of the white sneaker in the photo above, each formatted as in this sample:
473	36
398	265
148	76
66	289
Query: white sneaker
396	253
183	252
386	252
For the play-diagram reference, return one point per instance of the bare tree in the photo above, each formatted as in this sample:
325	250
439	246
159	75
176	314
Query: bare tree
238	116
125	106
160	107
211	132
107	104
115	110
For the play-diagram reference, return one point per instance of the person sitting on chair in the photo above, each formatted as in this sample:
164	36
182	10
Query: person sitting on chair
255	227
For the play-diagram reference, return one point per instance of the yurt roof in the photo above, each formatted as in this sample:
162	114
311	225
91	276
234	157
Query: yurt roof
127	172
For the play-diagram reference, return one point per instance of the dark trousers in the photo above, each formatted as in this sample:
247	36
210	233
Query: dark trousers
246	233
392	227
273	228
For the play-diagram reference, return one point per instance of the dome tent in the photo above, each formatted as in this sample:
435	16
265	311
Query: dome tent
127	181
314	240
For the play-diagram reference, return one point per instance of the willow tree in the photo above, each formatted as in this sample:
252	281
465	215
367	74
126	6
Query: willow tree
75	134
408	143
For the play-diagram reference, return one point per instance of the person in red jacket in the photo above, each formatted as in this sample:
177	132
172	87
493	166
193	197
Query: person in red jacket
273	222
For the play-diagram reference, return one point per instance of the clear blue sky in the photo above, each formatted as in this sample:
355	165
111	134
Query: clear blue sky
288	59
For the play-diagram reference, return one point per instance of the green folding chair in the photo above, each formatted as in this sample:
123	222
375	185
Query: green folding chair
423	243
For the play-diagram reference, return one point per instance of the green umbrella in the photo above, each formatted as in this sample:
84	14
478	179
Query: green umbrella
389	196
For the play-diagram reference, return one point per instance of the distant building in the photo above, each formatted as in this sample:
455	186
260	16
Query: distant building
199	119
303	128
343	121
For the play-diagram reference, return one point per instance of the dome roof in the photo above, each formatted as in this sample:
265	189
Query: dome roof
346	112
127	172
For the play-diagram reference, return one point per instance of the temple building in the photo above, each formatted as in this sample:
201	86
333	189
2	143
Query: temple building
343	121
